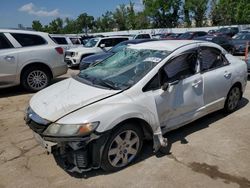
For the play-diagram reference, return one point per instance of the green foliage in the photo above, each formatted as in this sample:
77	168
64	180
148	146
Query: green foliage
196	10
163	13
37	26
156	14
227	12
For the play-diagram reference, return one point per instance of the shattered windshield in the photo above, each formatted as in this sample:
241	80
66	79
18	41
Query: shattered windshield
123	69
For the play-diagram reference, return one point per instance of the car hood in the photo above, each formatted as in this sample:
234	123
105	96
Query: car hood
64	97
97	57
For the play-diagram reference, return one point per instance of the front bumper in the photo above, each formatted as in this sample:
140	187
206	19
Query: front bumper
72	61
75	154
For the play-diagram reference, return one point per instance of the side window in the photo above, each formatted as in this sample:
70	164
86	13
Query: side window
107	42
180	67
118	40
153	84
28	39
211	58
60	40
75	41
4	42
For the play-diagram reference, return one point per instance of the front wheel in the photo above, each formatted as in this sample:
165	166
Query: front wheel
122	148
232	100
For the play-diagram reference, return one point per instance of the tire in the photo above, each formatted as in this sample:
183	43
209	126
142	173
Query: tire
117	156
233	98
35	78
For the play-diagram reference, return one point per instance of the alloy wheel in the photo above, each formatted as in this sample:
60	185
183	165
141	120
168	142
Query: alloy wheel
37	79
123	148
233	98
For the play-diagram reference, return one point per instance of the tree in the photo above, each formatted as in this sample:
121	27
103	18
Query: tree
163	13
131	20
37	26
196	10
105	23
56	26
120	17
84	22
227	12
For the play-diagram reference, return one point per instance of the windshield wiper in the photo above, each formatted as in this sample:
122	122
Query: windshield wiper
108	84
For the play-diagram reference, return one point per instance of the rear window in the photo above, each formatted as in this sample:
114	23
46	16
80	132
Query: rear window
28	39
75	41
60	40
4	42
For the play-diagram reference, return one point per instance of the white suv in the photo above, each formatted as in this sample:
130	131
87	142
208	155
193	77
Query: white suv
74	56
30	58
67	42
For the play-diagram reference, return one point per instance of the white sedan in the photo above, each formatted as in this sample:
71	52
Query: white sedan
101	117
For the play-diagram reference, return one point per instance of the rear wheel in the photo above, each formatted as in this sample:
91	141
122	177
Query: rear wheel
122	148
233	99
35	79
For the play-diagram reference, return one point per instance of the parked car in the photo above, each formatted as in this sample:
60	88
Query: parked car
173	36
101	117
223	41
67	42
164	35
230	31
73	57
29	58
191	35
92	59
240	42
143	36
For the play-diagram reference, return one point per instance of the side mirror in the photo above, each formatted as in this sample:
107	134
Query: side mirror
102	46
165	86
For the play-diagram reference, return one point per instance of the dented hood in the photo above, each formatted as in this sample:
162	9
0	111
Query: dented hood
64	97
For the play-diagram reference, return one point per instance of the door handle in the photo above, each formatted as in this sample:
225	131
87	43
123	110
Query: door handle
196	83
227	74
9	58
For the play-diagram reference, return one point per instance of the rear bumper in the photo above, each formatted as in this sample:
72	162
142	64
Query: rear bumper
60	70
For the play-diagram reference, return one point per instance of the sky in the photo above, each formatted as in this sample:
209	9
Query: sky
14	12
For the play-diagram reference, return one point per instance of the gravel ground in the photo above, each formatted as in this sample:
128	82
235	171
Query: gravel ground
211	152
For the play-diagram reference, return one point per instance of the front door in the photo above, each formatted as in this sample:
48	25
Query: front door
182	101
8	62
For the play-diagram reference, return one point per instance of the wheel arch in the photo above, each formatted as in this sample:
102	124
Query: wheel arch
36	64
239	85
142	124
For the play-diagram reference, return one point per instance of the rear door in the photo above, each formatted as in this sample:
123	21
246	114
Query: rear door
217	77
8	61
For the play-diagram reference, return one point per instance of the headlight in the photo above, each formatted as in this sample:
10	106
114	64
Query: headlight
70	130
75	54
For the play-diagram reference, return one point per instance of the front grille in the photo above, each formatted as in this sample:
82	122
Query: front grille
69	54
38	128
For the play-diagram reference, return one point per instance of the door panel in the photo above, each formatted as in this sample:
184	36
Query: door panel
217	76
183	98
181	102
217	84
8	62
8	67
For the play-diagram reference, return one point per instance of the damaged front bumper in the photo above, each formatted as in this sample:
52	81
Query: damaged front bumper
75	154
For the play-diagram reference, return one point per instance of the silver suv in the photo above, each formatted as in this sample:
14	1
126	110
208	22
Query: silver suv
29	58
